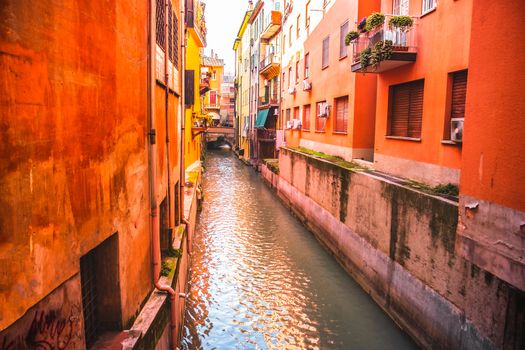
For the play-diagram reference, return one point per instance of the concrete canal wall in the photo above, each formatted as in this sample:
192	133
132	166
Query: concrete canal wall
398	244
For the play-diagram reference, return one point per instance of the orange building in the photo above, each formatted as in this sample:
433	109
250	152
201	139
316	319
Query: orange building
213	67
89	171
420	86
325	107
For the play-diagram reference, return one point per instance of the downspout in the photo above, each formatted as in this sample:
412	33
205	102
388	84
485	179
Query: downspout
166	105
152	164
182	174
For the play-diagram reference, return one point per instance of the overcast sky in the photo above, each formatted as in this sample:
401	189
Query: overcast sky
223	19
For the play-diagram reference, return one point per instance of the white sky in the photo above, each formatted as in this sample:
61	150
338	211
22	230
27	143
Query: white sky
223	19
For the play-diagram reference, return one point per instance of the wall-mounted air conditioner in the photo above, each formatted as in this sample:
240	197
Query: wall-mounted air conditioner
289	124
323	110
296	124
456	129
291	90
307	86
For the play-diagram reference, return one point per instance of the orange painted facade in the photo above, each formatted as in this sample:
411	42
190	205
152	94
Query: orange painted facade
331	82
442	40
74	170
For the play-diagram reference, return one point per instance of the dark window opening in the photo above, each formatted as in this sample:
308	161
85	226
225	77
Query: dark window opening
160	24
99	279
164	226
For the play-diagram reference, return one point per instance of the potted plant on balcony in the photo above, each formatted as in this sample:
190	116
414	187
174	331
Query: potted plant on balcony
351	36
404	24
361	25
374	21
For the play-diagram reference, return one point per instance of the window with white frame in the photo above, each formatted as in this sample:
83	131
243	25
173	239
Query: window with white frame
428	5
400	7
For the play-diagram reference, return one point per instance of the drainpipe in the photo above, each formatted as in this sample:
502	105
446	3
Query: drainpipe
166	105
182	175
152	164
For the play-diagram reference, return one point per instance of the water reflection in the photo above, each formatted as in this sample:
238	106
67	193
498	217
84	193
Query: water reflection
261	281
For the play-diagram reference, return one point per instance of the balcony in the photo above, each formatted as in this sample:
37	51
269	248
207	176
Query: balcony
268	101
396	46
273	23
270	66
204	85
266	135
195	22
212	106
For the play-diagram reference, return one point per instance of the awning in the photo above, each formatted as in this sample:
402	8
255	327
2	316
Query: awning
261	118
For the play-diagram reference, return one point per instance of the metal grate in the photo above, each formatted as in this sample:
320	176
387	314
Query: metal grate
170	31
161	22
89	297
175	40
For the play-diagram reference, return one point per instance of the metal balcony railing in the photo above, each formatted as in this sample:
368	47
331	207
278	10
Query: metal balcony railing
269	60
268	100
402	40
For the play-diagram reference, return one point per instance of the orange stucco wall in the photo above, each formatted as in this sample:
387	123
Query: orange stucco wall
443	38
494	142
336	80
74	170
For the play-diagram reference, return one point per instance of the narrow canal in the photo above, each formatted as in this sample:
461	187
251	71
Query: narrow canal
260	280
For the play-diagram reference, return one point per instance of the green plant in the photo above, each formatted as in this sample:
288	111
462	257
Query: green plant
382	51
374	20
351	36
174	253
364	56
165	268
402	22
448	189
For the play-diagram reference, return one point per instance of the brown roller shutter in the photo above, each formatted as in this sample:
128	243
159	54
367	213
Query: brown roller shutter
189	87
459	94
406	109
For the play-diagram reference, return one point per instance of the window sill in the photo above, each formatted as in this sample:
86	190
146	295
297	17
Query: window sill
306	130
428	12
343	57
339	132
320	131
323	68
451	143
403	138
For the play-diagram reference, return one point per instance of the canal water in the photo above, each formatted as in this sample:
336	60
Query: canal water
260	280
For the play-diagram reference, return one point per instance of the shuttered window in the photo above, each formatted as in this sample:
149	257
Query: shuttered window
160	23
459	94
306	117
341	114
320	122
326	46
406	109
343	49
189	87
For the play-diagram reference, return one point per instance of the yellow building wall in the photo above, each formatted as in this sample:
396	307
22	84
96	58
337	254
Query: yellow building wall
192	145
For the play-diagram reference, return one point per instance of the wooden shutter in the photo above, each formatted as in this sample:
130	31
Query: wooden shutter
160	22
306	117
189	87
341	115
189	13
406	109
459	94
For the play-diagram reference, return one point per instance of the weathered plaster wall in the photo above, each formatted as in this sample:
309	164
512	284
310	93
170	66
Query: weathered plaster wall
493	235
398	243
74	161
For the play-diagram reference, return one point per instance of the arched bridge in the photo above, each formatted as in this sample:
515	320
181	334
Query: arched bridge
220	136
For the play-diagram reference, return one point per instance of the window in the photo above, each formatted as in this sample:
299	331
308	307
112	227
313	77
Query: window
289	76
214	75
288	114
189	82
307	15
342	46
160	24
326	47
306	65
290	36
320	122
213	97
428	5
406	109
306	117
296	72
296	113
298	26
341	115
456	99
400	7
99	276
284	78
284	42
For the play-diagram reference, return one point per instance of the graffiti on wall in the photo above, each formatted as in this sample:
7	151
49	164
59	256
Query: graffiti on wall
48	331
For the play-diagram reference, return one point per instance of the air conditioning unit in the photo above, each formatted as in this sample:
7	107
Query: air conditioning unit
289	124
296	124
324	110
291	90
307	86
456	129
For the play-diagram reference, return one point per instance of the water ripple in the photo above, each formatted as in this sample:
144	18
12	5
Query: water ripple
259	280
